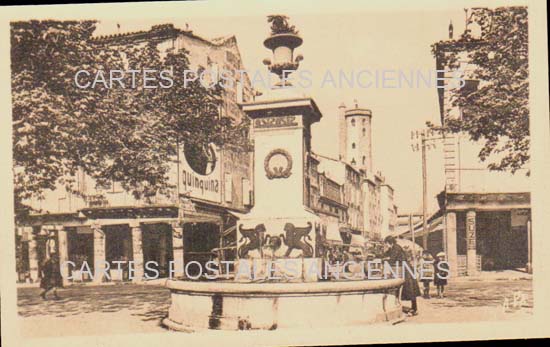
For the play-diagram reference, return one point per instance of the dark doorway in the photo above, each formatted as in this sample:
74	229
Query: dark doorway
22	254
199	239
118	247
157	248
41	252
80	246
501	247
435	242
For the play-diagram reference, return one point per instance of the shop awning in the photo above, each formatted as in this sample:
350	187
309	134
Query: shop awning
236	214
333	233
198	217
357	240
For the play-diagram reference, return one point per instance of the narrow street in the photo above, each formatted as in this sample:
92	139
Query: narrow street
129	308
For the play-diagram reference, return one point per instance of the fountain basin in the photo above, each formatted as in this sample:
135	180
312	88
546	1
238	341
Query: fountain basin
228	305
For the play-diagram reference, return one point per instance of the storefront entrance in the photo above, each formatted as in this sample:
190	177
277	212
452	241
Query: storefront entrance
157	248
80	248
22	254
500	245
41	252
118	247
199	241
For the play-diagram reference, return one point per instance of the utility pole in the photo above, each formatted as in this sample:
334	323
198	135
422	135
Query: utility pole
411	227
424	196
422	140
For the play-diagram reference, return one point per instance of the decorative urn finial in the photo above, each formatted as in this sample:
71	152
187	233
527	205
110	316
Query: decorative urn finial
283	40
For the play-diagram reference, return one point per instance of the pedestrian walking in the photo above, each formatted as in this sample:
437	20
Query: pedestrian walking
395	255
51	276
441	272
426	267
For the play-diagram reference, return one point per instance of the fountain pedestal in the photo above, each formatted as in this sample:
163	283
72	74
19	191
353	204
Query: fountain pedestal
281	231
240	306
280	225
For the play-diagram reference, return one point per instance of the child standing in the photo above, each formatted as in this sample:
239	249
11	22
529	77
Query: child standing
426	272
441	274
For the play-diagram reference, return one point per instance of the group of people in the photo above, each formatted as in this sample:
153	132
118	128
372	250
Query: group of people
431	271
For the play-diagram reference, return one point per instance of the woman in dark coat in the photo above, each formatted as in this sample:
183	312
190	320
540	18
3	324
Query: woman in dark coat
51	276
396	256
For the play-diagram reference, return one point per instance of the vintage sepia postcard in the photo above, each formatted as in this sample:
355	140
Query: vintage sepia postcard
274	173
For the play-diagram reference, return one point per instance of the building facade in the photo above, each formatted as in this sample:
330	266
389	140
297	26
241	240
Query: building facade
388	211
101	225
486	214
104	225
369	208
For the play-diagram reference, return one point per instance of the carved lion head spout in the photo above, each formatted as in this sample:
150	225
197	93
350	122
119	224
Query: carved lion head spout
273	242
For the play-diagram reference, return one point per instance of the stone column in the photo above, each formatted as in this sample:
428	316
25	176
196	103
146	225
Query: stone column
471	255
63	251
162	246
137	251
51	240
450	229
177	250
33	255
99	253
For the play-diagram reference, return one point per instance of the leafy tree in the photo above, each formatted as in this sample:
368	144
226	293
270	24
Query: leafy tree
44	57
129	135
497	111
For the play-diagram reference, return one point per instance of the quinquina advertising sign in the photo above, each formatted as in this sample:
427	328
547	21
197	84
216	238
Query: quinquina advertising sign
200	172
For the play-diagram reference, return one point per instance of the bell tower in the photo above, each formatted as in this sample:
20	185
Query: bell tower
355	136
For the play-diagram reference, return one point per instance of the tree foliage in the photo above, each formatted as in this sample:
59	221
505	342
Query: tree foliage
497	111
129	135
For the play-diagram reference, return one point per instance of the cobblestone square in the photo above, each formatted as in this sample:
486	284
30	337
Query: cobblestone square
131	308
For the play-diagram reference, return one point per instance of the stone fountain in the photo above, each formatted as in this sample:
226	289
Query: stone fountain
280	244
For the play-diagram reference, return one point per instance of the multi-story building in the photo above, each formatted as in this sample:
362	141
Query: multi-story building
106	223
327	198
486	213
388	211
197	220
368	200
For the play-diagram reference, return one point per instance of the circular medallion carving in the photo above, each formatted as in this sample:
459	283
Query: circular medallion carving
278	164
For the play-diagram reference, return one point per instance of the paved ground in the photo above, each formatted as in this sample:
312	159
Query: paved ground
127	308
93	310
480	300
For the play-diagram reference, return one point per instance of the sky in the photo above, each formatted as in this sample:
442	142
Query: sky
356	40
